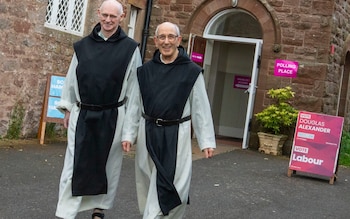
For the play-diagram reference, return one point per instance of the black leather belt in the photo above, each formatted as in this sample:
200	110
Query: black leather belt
93	107
164	122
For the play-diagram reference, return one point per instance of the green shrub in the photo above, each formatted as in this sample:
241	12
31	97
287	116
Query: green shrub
344	154
55	132
50	130
16	122
278	116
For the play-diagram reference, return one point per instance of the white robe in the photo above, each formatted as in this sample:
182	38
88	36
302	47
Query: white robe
198	107
68	206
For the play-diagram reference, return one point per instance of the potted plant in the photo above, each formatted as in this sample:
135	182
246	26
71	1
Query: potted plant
275	120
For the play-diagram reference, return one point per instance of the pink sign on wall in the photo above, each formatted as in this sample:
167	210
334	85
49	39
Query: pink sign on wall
241	82
285	68
316	143
197	57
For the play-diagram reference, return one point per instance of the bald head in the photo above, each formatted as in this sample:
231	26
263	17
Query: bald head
167	40
168	25
110	14
112	3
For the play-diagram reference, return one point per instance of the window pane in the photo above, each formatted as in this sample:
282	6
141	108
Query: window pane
66	15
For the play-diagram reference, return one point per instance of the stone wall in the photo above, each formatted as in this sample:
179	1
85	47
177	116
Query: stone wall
305	27
28	53
340	36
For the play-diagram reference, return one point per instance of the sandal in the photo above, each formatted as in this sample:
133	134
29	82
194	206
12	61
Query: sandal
98	214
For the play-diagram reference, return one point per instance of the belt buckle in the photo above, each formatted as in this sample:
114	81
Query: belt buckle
159	120
99	107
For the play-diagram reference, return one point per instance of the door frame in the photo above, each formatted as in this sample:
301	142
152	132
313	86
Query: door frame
255	70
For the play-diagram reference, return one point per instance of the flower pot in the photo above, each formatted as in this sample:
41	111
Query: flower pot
270	143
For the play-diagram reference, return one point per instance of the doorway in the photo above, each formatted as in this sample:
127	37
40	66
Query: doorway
230	75
231	62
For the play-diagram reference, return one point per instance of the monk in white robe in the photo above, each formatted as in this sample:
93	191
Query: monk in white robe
169	97
94	100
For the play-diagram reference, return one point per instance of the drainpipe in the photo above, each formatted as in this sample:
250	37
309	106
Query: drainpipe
146	29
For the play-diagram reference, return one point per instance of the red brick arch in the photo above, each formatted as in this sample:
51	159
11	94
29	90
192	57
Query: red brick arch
267	20
270	27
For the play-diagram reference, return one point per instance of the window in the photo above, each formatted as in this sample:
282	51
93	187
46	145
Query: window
66	15
132	22
231	21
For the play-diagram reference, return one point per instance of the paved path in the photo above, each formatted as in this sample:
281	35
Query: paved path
235	183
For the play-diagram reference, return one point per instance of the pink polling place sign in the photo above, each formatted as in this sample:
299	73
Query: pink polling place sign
241	82
285	68
197	57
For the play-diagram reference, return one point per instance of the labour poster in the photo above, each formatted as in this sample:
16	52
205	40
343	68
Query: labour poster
316	143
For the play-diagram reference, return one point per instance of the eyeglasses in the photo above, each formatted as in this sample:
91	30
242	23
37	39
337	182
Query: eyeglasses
170	37
111	16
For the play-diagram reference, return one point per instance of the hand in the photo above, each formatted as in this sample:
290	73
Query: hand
208	152
66	119
126	146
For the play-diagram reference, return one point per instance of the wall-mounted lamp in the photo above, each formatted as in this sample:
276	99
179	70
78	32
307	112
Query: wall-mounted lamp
234	3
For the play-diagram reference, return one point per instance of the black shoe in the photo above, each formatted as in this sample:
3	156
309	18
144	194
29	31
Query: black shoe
98	214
